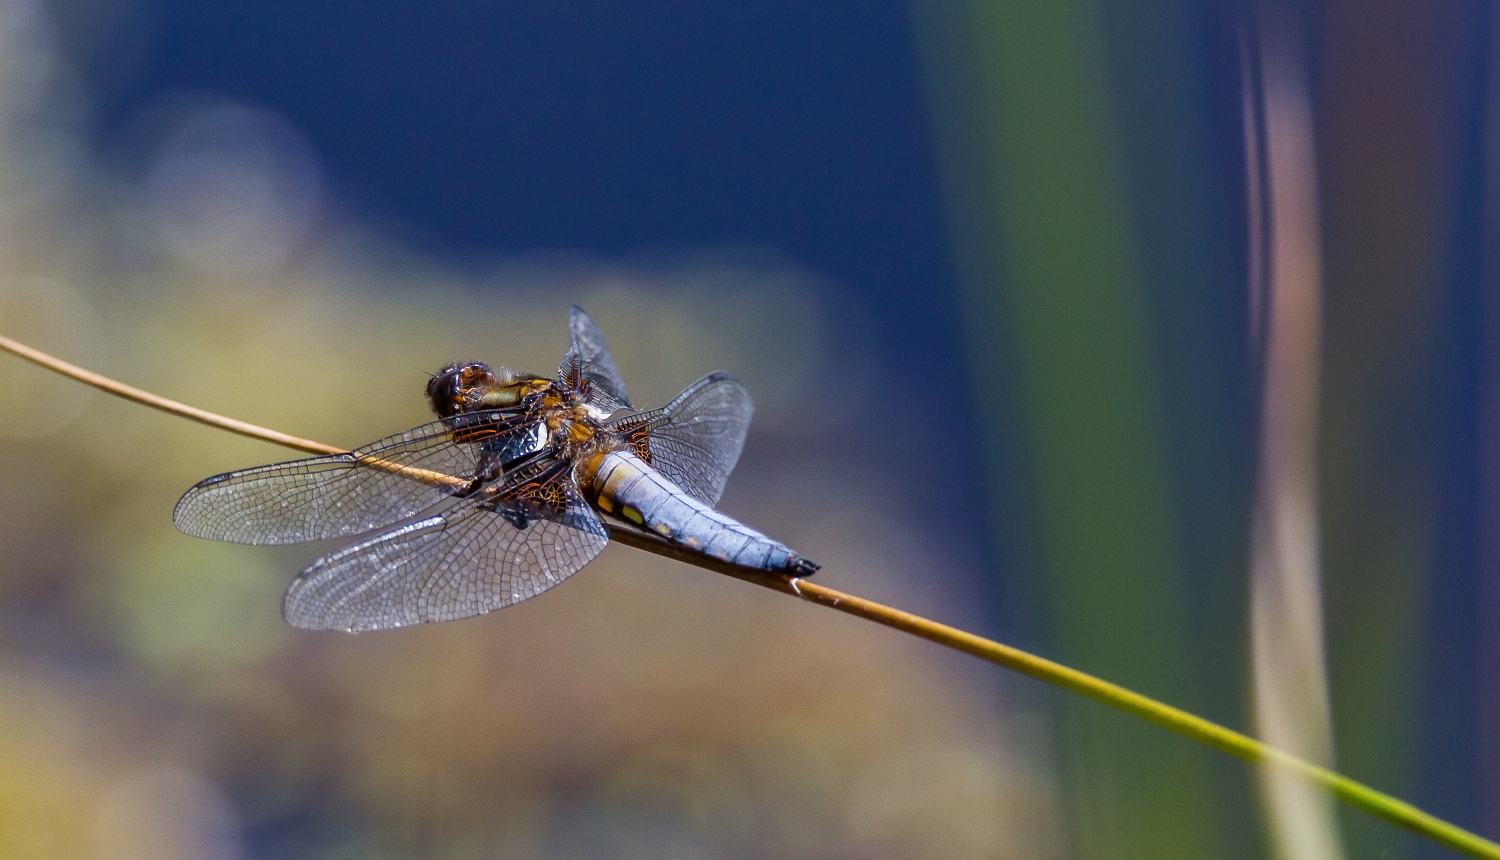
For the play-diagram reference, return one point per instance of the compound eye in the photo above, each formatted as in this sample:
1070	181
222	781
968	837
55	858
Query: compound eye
445	391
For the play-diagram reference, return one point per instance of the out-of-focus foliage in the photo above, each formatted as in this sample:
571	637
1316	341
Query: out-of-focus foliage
1118	219
154	705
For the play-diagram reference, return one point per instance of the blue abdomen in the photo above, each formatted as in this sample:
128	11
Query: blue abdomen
627	486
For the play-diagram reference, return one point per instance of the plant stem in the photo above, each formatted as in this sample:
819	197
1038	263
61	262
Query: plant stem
1355	794
146	398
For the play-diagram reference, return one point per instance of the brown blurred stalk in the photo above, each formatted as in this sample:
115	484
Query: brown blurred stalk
1188	725
1286	612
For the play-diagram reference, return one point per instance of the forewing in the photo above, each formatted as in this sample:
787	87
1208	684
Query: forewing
336	495
587	346
468	560
696	439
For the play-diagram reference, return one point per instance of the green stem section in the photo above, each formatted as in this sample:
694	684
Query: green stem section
1355	794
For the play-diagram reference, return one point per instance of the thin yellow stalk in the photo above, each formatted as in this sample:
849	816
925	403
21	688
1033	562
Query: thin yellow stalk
146	398
1355	794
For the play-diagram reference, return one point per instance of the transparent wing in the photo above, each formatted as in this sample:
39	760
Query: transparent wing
588	348
341	494
696	439
473	558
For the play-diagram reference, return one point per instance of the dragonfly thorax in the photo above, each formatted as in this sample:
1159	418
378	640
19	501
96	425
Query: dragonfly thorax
571	421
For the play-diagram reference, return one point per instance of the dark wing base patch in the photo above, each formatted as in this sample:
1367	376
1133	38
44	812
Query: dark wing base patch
696	439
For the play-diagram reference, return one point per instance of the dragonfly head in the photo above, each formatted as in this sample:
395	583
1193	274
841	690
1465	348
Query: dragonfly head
449	389
467	387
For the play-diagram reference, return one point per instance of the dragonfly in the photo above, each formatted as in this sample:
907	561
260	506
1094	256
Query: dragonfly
500	499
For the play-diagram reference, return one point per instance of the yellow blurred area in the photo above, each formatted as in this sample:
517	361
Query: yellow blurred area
153	703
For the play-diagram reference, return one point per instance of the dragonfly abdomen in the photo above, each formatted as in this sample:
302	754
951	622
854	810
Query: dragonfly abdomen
627	486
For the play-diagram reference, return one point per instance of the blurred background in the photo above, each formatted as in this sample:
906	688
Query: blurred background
1160	338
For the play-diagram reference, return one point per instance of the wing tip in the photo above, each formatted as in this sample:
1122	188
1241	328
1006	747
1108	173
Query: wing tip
182	516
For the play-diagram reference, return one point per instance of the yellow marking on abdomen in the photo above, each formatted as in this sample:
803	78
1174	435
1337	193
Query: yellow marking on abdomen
616	475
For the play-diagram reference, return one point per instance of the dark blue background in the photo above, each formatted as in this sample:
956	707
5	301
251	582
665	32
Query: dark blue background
595	127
